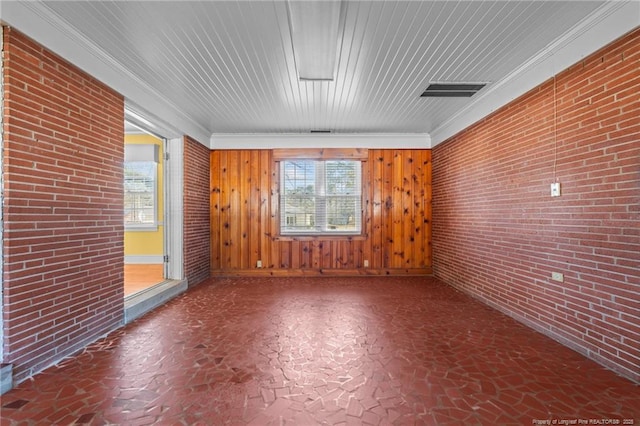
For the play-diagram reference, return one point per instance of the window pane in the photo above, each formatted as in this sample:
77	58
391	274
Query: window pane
300	212
342	177
299	177
342	214
298	202
140	192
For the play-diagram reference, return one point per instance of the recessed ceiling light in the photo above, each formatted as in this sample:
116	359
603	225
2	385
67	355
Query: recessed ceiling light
314	27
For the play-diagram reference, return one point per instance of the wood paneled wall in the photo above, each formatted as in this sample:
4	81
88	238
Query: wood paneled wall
396	219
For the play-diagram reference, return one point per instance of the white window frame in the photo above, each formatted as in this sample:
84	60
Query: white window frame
317	224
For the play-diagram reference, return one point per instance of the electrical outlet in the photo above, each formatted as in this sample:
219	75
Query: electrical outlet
555	189
557	276
259	264
366	263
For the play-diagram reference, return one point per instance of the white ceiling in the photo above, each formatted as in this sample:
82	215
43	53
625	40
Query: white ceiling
226	67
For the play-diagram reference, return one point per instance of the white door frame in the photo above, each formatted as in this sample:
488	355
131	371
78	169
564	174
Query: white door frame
174	208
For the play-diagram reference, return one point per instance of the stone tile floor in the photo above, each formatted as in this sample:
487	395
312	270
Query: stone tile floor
312	351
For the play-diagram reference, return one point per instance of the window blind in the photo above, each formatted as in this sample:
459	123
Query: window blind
320	197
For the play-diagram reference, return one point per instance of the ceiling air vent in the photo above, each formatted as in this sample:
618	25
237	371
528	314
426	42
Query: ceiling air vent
319	131
452	90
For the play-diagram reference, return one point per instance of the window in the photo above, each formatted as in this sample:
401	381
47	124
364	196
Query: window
320	197
141	186
140	193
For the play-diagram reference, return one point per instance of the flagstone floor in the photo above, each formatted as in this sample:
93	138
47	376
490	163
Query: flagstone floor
324	351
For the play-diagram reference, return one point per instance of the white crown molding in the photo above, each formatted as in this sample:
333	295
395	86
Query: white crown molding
332	140
43	25
609	22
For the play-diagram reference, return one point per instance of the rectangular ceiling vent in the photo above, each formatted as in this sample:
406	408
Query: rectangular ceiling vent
319	131
452	90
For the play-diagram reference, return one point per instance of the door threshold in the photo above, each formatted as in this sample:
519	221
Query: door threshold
138	304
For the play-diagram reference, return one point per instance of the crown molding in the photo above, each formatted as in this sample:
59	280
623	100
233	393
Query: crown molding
332	140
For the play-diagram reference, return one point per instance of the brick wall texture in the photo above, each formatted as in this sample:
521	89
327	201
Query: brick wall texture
498	234
197	241
63	207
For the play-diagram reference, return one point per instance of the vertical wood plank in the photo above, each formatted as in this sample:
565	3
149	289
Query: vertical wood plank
426	219
244	194
408	219
265	202
215	186
366	247
419	203
225	206
295	254
302	254
376	165
310	245
315	254
326	261
387	216
308	251
343	255
357	253
254	209
398	246
285	254
274	213
332	254
235	209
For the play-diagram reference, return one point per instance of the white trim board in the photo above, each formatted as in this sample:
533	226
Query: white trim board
331	140
144	259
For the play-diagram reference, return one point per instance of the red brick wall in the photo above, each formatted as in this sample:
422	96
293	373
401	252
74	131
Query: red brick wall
197	246
63	207
498	235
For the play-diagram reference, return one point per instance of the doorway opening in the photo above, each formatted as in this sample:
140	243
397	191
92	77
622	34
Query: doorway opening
153	271
144	237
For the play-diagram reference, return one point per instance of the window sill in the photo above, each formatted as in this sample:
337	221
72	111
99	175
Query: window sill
141	228
321	237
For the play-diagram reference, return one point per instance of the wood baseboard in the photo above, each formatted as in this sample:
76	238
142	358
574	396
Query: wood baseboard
267	272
